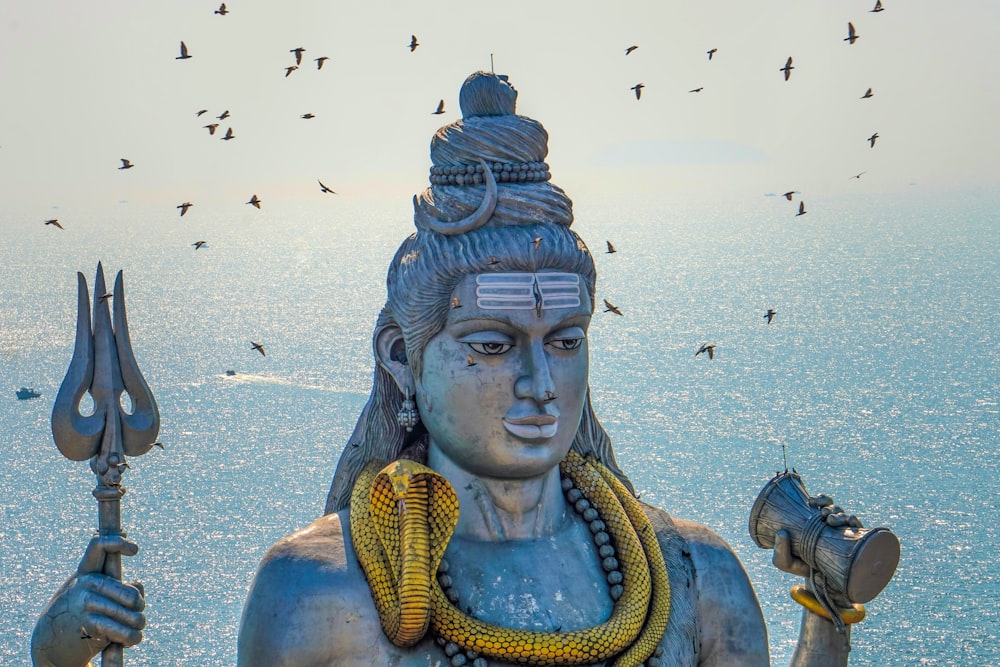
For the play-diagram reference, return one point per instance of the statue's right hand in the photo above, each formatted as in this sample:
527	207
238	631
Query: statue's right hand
90	610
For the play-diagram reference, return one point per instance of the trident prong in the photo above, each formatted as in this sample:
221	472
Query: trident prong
104	365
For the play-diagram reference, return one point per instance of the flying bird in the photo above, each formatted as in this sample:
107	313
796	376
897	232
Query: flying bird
106	296
769	315
787	69
696	90
224	115
493	261
320	61
858	175
307	116
631	49
198	245
705	347
711	52
258	347
184	207
323	188
878	7
126	164
222	11
413	43
802	209
184	52
201	111
610	249
439	110
537	241
54	223
638	89
254	201
229	134
84	634
469	361
868	93
211	127
788	195
551	396
871	140
298	55
851	35
611	308
290	69
455	303
158	444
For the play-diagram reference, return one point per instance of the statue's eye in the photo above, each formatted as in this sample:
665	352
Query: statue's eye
490	349
566	344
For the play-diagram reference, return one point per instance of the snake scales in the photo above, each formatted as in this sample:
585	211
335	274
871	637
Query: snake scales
402	517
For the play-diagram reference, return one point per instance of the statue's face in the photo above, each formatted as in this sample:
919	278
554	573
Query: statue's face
504	383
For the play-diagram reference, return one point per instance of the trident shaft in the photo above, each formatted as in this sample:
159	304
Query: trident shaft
103	365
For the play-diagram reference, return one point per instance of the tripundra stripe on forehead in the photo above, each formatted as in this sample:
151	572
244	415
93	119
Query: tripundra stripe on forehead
527	291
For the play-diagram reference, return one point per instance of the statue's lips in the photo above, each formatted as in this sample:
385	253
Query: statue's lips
532	427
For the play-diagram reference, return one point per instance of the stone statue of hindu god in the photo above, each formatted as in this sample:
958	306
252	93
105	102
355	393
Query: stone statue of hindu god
478	515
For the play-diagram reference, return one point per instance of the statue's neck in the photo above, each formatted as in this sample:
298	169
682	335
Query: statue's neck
503	509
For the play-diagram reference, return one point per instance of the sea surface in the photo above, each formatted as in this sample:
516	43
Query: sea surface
878	379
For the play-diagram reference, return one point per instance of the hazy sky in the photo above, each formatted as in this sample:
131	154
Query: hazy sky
85	84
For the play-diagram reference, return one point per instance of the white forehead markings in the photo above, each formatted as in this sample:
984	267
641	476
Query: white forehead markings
527	291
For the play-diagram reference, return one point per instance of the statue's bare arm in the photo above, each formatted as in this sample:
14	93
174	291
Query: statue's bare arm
309	604
731	625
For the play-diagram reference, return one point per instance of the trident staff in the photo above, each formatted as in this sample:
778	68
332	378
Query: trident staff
104	365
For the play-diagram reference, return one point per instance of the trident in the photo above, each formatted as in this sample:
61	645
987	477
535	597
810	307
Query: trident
104	365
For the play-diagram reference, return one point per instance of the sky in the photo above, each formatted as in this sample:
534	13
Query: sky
86	84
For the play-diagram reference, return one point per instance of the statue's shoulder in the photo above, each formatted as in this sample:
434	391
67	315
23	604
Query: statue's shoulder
308	598
730	625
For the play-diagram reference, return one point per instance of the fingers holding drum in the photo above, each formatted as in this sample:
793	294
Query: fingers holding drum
783	558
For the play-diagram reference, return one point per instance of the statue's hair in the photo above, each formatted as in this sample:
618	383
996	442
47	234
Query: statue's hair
528	231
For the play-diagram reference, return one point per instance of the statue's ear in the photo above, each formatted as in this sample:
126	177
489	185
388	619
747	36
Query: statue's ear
390	352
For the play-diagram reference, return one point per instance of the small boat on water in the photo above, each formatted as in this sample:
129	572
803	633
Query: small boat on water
24	393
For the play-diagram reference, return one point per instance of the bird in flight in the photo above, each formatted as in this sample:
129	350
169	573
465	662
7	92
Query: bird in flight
439	110
638	89
705	347
307	116
54	223
211	127
84	634
611	308
878	7
201	111
711	52
320	61
769	315
851	35
126	164
871	140
455	303
323	188
254	201
198	245
224	115
493	261
802	209
222	11
158	444
868	93
787	69
788	195
537	241
469	361
610	249
413	43
631	49
258	347
184	52
290	69
229	134
858	175
184	207
298	55
696	90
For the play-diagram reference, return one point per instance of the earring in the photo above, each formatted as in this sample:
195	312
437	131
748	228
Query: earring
408	415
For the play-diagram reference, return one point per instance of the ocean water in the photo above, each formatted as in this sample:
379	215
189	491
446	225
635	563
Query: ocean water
879	377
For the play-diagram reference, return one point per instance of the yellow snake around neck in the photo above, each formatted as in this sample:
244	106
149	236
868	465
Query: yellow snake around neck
402	517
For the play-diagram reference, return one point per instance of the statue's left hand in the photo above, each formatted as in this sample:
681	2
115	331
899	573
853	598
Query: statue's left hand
90	610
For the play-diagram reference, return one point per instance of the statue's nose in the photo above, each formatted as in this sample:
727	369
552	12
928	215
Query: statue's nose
536	382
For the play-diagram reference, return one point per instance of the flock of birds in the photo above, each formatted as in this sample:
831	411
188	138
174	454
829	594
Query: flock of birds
637	89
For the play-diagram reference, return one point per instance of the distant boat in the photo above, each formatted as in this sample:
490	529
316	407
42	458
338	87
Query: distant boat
230	372
24	393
